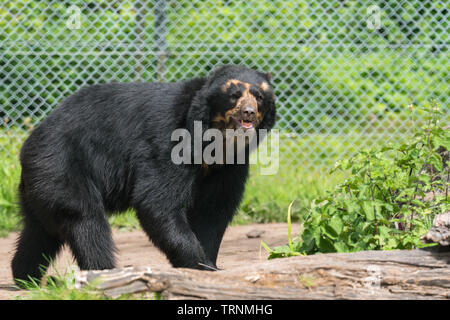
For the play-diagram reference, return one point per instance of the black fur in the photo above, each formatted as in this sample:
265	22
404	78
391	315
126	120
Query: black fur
107	148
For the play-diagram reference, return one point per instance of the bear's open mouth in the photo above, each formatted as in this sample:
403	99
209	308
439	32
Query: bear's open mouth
246	124
242	123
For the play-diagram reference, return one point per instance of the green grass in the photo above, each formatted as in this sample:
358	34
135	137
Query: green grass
266	197
125	221
9	179
63	287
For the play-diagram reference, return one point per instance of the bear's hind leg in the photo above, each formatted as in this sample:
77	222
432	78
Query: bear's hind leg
36	248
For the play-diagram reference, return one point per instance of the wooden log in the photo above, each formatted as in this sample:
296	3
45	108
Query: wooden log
440	232
399	274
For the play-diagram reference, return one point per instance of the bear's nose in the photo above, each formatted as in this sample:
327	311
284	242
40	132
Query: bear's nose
248	111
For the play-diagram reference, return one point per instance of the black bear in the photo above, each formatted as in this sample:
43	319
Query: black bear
108	147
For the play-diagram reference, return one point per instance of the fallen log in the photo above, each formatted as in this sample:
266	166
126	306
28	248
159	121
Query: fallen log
399	274
440	232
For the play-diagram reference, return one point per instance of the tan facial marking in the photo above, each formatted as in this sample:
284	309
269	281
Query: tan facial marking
230	113
259	116
247	98
233	82
223	121
218	118
265	86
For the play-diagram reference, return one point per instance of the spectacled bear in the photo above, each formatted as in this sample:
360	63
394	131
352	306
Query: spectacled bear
107	148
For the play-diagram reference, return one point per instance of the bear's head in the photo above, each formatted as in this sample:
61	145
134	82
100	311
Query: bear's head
240	98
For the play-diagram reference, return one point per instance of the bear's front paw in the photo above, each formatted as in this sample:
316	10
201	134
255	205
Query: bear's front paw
208	266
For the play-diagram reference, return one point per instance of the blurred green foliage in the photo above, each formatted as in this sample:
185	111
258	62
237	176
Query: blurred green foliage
325	61
227	21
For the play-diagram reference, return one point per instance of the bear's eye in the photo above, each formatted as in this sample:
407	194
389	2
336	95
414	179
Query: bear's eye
235	95
259	97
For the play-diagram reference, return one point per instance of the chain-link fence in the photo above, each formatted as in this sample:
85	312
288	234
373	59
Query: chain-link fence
344	71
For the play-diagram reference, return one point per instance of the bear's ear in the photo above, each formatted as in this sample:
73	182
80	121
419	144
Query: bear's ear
216	70
212	76
198	111
269	118
269	76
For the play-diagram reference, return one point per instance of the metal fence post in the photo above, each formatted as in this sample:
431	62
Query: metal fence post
141	12
160	39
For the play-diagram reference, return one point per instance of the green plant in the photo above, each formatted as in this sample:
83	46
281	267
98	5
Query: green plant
63	286
58	287
125	221
389	199
9	180
289	250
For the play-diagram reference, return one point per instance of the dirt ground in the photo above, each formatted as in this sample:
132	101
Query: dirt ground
135	249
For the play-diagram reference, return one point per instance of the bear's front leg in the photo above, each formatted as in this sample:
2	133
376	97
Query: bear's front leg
166	225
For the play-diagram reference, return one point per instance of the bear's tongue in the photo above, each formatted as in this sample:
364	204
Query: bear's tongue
246	125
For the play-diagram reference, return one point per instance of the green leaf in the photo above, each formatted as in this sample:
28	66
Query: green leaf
328	231
5	203
436	160
389	207
341	247
336	224
384	231
368	207
326	245
441	141
418	203
386	148
266	247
